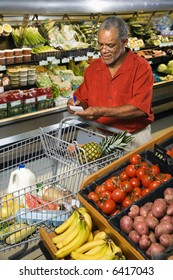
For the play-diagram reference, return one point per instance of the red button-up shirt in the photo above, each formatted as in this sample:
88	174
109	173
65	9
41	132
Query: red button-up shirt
131	84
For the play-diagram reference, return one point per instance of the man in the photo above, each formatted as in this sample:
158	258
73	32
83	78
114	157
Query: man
118	87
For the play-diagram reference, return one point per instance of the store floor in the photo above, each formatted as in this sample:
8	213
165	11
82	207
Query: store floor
162	123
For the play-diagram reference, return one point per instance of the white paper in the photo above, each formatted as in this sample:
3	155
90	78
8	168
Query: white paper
76	108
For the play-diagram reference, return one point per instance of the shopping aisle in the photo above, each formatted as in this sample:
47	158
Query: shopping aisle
162	123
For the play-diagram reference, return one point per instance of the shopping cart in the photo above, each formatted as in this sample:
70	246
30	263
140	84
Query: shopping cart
65	146
57	170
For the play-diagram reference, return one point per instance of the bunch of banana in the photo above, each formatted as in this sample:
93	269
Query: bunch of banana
100	248
73	233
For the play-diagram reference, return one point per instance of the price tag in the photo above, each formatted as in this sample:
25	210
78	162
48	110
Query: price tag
56	61
50	58
96	55
160	153
90	54
136	48
65	60
2	67
43	62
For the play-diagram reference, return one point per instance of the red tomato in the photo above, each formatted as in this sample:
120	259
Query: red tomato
146	180
154	169
123	176
135	159
164	177
110	184
135	182
126	202
153	185
104	195
118	195
145	191
99	189
93	196
140	172
137	191
100	204
135	197
108	206
126	186
130	170
144	164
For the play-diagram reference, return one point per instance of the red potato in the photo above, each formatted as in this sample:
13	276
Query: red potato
134	211
169	210
163	227
144	242
141	227
166	239
168	195
126	224
154	249
139	219
167	218
134	236
170	257
159	208
152	237
152	222
145	209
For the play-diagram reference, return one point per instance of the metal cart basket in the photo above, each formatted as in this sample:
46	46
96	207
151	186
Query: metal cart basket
57	172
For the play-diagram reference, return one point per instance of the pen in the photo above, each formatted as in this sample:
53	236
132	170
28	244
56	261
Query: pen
74	98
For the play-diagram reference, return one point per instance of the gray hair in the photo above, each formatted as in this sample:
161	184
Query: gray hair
116	23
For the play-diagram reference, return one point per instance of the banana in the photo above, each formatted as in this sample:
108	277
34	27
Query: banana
80	256
115	249
59	238
100	235
90	237
109	255
60	229
68	238
82	210
75	243
94	250
89	245
88	220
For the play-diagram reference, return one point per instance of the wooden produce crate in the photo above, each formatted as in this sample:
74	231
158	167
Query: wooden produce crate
102	222
47	242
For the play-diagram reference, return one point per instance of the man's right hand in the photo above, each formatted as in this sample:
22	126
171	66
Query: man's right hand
71	102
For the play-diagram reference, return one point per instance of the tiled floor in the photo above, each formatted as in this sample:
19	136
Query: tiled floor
34	252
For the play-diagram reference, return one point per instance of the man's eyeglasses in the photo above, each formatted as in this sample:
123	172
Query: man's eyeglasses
108	47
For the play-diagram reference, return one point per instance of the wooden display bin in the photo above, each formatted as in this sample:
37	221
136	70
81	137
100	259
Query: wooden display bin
99	220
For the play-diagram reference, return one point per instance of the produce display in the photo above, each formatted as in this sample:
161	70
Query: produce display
76	239
123	187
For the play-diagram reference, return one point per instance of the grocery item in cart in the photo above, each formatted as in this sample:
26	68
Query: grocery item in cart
20	179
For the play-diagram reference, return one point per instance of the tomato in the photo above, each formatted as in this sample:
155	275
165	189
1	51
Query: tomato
153	185
144	164
140	172
126	202
118	195
146	180
104	195
135	197
163	177
135	159
123	176
100	203
146	190
130	170
135	182
110	184
126	186
154	169
137	191
108	206
93	196
99	189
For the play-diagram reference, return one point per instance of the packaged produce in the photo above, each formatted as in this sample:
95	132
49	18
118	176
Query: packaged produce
44	98
29	100
14	102
3	107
